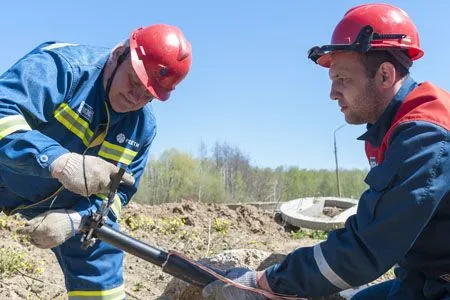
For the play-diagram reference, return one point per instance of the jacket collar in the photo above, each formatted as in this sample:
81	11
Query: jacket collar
376	132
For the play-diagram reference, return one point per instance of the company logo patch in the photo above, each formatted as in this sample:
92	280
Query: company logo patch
372	162
121	139
86	111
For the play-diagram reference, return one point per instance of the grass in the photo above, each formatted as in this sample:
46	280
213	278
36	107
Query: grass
221	225
171	225
140	222
308	233
14	261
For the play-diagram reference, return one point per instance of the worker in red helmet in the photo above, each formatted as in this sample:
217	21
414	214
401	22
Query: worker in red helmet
403	218
70	116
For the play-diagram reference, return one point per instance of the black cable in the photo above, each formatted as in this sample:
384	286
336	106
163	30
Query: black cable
85	177
120	60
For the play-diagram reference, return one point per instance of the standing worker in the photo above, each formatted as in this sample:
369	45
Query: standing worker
70	115
403	218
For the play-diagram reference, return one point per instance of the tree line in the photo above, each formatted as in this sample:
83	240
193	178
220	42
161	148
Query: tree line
225	174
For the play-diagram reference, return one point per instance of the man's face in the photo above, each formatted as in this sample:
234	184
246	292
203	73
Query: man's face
356	93
127	92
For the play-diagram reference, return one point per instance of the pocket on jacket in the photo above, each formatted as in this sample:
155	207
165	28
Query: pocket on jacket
380	179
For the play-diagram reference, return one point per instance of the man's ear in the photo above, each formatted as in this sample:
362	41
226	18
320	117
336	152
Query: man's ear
386	75
112	62
117	51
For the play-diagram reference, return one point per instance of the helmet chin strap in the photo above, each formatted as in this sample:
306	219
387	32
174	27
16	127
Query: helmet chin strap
120	60
401	57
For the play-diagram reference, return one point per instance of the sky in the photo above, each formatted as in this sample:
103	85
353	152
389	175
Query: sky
251	84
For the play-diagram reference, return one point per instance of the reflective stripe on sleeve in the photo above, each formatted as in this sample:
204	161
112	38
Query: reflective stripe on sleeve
73	122
326	270
11	124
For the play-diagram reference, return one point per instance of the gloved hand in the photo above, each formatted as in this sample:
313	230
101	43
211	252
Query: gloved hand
219	290
68	169
52	228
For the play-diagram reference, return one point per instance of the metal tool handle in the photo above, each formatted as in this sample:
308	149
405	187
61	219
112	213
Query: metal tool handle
96	220
112	193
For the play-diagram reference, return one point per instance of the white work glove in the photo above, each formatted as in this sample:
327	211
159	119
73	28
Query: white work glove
68	169
219	290
52	228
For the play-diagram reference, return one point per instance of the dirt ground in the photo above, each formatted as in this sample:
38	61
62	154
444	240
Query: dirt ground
195	229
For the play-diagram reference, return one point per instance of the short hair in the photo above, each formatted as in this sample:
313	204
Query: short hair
373	59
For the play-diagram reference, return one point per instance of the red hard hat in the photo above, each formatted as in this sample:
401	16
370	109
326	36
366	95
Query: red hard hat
161	57
371	27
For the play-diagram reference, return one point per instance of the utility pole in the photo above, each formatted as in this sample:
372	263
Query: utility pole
336	160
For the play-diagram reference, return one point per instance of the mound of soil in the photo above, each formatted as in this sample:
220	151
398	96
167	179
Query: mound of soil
196	229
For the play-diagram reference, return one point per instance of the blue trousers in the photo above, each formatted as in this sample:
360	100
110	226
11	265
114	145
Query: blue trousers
94	273
375	292
91	274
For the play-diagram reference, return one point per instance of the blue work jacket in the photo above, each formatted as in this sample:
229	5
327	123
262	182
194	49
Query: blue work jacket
52	101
